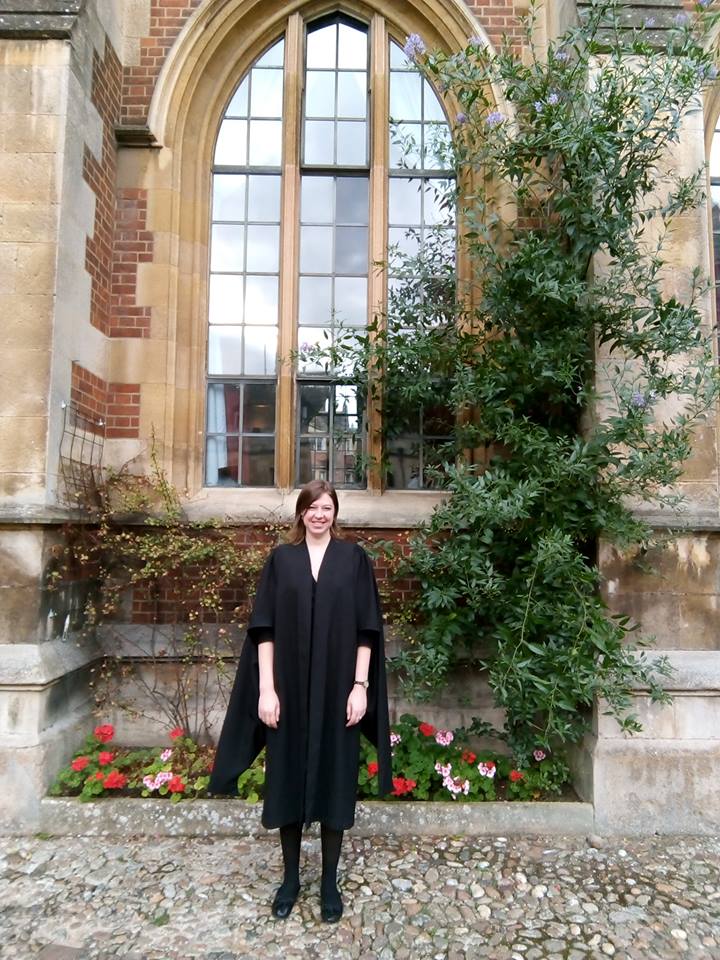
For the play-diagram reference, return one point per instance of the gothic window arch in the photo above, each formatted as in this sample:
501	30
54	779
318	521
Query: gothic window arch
311	186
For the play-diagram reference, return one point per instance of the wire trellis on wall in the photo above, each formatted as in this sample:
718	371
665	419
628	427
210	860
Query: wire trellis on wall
81	450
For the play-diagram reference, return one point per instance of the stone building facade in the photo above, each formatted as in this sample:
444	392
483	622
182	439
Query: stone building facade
109	165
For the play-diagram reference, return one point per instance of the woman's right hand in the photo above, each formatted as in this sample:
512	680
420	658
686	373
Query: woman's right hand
269	708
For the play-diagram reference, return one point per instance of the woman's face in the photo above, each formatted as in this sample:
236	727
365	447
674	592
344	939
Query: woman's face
319	516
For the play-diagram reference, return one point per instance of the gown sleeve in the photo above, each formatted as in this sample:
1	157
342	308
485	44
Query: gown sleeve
376	723
243	733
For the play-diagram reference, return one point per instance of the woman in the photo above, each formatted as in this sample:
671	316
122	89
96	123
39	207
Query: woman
310	679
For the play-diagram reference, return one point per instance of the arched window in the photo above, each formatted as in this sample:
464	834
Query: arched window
715	207
312	184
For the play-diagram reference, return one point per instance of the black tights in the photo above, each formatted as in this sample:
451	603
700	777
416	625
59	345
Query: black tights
331	841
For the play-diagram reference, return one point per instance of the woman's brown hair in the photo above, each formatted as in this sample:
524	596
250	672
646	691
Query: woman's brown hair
307	496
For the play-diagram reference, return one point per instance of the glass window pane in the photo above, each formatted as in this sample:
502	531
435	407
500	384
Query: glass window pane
265	143
228	247
263	248
223	410
322	47
261	300
317	200
346	409
315	408
405	145
238	106
405	201
231	146
225	350
403	456
266	93
315	300
346	451
433	211
715	155
436	144
405	96
226	298
221	468
316	246
313	461
352	94
407	241
274	56
352	143
229	196
352	200
313	337
353	47
351	250
432	109
398	60
260	350
259	408
320	93
258	461
264	198
351	301
319	141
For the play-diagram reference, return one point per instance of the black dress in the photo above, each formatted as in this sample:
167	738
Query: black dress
312	756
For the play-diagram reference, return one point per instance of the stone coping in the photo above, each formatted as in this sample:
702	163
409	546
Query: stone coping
128	816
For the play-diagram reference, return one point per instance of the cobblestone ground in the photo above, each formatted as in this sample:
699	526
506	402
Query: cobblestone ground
150	898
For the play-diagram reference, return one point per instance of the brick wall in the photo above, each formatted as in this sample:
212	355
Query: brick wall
133	244
167	18
170	600
116	405
100	175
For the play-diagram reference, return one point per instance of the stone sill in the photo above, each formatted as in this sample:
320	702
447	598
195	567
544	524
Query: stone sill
128	816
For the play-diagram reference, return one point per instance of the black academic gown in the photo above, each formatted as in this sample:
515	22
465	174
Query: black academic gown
312	757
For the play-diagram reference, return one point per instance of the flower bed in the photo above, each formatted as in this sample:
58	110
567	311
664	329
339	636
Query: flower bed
429	764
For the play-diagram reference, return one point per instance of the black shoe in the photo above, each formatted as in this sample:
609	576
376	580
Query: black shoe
331	908
282	904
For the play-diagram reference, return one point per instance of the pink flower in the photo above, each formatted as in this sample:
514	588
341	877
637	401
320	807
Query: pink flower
165	755
539	755
149	782
487	769
444	737
395	738
444	771
456	785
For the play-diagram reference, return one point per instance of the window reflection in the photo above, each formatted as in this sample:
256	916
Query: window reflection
330	434
240	448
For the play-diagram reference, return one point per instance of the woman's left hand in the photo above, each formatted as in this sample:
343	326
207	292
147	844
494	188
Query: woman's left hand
356	705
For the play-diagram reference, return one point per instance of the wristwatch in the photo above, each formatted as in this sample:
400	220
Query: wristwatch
362	683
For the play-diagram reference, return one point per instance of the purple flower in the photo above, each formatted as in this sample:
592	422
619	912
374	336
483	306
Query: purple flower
495	118
539	106
553	100
638	400
712	72
477	41
649	23
704	3
461	118
681	19
414	46
561	55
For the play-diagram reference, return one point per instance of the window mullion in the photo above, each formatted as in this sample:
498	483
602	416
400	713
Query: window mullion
377	280
287	341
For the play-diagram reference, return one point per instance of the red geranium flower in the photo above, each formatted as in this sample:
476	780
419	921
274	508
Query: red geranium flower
176	785
516	775
372	768
98	776
401	786
427	729
104	733
79	763
105	757
176	732
468	756
115	780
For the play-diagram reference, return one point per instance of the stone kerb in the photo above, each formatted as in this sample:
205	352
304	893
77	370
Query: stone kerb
126	817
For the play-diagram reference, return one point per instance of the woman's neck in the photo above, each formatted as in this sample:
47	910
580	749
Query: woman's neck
317	541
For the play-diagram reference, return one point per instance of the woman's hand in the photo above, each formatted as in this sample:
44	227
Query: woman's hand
356	705
269	708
